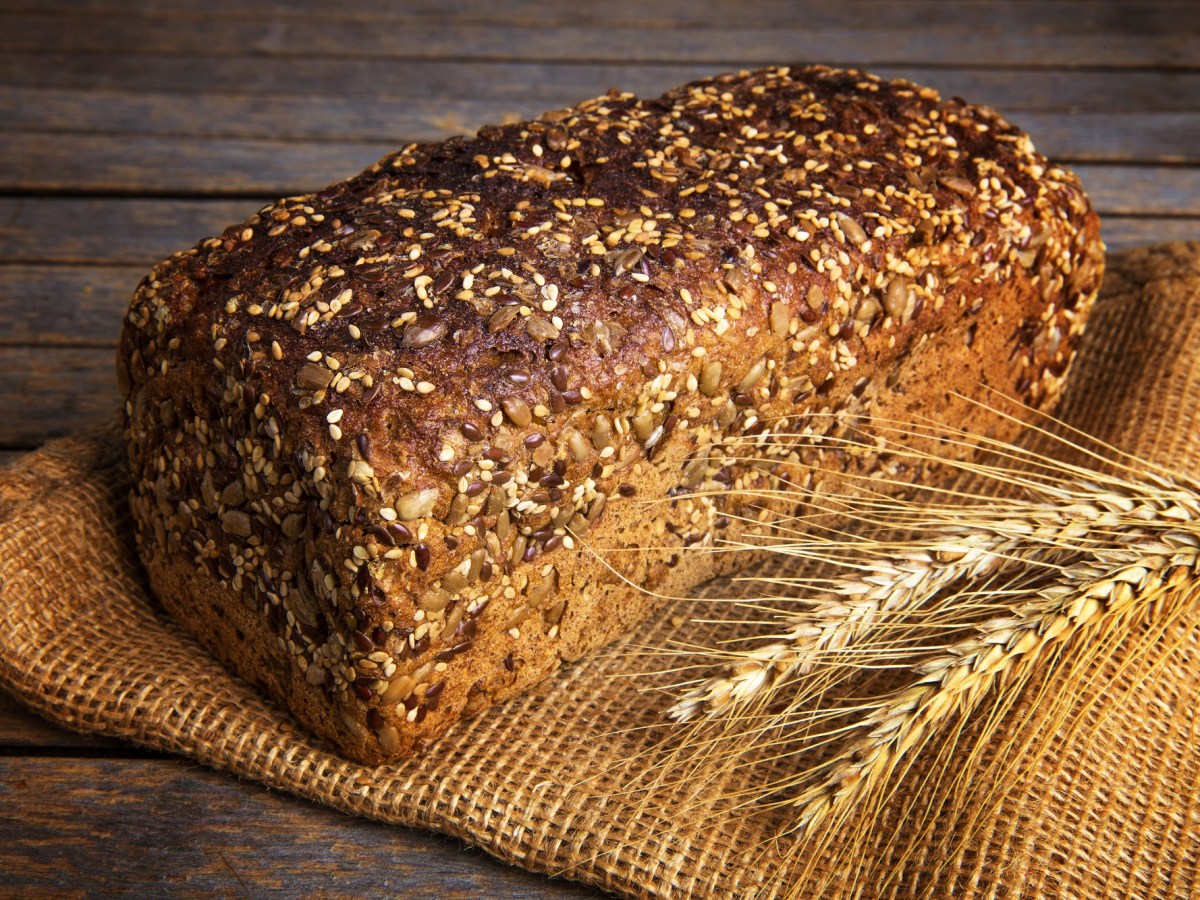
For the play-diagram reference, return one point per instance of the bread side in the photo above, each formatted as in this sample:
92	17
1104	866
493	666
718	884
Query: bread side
403	445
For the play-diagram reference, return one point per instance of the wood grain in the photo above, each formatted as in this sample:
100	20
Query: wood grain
181	830
1108	137
551	85
65	305
22	730
1141	190
397	119
110	231
861	41
1121	233
40	162
48	392
714	14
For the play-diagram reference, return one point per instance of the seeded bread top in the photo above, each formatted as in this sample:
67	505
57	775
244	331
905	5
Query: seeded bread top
339	360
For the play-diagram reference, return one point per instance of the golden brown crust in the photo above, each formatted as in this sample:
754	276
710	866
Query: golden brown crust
373	428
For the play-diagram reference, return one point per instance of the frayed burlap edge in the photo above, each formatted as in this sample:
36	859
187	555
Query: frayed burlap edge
542	781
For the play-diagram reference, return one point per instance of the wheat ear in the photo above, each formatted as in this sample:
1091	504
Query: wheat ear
1110	587
833	622
1067	518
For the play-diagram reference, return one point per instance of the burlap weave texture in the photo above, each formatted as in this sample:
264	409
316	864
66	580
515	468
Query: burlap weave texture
1108	808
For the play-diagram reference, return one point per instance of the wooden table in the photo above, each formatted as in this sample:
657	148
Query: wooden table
131	129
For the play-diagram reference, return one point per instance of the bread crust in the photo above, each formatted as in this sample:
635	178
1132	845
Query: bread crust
403	445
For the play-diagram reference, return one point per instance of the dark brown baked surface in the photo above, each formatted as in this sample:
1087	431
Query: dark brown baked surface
403	445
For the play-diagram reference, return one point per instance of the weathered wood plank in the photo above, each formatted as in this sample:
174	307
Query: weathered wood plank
47	392
161	827
1115	136
97	163
1142	190
360	80
849	40
20	728
157	164
110	231
550	85
1094	15
395	120
1094	136
1124	232
64	305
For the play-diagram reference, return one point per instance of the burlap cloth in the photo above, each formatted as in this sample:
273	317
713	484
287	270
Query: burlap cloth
1108	805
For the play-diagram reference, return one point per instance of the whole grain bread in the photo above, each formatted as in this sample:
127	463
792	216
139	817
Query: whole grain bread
402	446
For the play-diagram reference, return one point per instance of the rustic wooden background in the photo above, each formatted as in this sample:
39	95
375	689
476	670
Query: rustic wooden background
132	128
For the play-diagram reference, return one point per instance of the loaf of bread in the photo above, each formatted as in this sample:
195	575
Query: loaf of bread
402	446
